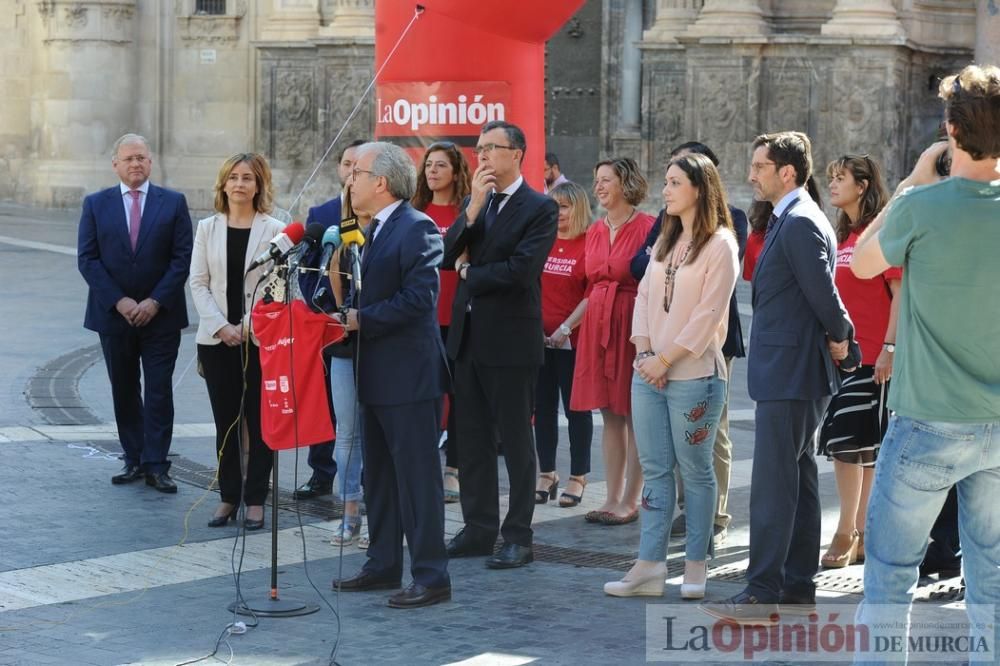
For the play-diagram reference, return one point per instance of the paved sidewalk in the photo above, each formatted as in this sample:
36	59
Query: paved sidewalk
92	573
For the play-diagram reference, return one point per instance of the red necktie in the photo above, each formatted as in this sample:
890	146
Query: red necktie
134	218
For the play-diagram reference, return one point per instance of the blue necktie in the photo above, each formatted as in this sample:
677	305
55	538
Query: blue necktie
493	209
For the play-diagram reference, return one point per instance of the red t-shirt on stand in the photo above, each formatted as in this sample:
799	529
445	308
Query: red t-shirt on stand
564	283
293	406
443	217
867	301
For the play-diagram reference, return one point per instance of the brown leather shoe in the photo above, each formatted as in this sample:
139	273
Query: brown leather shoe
418	596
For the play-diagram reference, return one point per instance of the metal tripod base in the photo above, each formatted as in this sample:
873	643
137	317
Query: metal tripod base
274	608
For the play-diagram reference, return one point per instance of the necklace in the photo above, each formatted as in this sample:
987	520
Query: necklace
616	227
673	265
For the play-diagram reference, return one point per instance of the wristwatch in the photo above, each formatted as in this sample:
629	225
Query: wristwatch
462	267
564	329
889	347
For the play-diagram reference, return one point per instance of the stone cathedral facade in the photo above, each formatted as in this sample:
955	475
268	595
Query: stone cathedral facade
203	79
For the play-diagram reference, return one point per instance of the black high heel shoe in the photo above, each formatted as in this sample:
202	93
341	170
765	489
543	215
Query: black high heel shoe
543	496
221	521
250	525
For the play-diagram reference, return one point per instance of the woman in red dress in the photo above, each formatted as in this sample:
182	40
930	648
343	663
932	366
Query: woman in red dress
603	375
442	183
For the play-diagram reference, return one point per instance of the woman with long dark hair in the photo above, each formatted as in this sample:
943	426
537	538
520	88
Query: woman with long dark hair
679	386
856	418
443	181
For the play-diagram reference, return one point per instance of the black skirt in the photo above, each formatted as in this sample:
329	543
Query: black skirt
856	419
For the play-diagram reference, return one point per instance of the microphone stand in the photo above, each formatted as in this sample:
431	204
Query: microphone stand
273	605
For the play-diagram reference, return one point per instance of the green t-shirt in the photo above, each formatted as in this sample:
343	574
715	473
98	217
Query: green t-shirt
946	236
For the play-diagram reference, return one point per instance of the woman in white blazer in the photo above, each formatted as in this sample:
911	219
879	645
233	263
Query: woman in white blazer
225	244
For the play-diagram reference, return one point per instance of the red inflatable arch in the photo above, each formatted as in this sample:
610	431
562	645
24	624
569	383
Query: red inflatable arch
465	62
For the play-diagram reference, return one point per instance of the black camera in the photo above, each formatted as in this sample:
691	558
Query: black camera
943	164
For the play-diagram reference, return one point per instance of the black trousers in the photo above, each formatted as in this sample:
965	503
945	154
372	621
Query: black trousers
404	493
555	380
451	444
496	406
784	499
145	417
222	366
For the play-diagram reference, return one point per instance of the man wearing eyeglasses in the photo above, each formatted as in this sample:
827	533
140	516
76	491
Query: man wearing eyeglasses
402	376
498	245
800	327
134	251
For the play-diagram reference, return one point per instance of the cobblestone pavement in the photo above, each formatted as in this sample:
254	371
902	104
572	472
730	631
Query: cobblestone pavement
92	573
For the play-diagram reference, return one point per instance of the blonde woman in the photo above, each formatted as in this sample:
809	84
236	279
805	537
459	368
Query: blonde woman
223	292
564	285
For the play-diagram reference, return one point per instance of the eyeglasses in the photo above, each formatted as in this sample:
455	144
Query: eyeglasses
440	145
355	172
490	147
757	167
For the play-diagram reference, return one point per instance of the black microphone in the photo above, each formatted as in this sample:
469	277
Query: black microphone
280	245
331	241
314	232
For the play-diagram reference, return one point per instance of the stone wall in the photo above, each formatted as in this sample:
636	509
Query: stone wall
631	77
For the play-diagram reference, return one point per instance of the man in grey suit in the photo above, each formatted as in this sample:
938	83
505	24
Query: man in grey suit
800	327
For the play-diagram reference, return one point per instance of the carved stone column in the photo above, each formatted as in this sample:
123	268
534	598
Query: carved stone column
730	18
351	19
988	32
673	17
864	18
85	94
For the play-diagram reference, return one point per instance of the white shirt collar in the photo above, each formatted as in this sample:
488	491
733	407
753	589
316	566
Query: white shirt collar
786	200
384	214
144	188
510	189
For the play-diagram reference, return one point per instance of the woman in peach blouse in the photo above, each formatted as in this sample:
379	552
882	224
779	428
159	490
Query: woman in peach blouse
679	385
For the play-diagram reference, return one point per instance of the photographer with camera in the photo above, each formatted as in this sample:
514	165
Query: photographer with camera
946	387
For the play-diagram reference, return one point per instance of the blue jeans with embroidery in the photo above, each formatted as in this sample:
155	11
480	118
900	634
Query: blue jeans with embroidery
675	427
347	449
918	463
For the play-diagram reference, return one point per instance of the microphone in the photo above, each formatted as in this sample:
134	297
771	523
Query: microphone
280	245
313	233
331	241
350	232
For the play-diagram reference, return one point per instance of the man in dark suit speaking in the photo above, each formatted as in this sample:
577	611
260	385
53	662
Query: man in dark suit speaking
402	376
134	251
498	245
800	327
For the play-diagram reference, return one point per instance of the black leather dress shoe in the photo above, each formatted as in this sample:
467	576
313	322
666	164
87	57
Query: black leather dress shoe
161	482
418	596
744	608
511	556
790	603
314	487
128	474
463	545
366	580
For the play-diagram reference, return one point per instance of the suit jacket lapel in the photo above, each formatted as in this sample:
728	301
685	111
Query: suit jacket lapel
503	217
768	242
256	234
150	213
385	232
